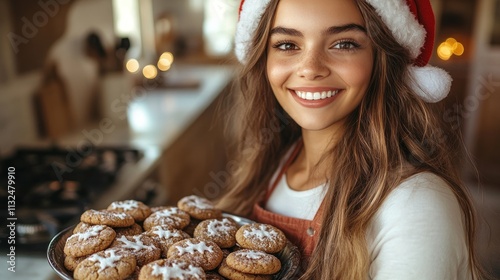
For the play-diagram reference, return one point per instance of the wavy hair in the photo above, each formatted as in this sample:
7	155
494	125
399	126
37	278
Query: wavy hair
391	135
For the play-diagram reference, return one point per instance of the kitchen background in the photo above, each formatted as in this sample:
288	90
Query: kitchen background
114	99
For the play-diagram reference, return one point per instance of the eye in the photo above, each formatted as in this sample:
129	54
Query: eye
346	45
285	46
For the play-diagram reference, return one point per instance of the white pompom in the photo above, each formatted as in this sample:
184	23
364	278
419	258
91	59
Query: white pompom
430	83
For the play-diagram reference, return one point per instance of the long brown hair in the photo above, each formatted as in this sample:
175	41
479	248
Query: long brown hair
392	135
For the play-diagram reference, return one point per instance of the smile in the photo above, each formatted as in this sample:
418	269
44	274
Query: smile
316	95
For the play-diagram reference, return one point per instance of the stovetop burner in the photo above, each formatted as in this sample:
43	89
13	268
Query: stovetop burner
54	186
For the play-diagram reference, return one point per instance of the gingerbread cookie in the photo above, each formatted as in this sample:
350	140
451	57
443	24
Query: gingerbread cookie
143	247
262	237
107	264
253	262
231	273
199	207
171	269
202	253
221	231
107	217
93	239
138	210
134	229
171	216
166	236
212	275
70	263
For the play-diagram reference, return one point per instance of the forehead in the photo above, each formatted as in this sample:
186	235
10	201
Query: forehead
303	13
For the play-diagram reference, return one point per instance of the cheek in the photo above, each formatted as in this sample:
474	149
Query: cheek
277	72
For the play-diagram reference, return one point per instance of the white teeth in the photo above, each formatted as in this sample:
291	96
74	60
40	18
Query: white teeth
316	95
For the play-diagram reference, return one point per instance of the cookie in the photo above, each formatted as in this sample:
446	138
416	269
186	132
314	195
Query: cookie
81	227
199	207
231	273
134	229
212	275
70	263
170	269
106	217
135	274
158	208
165	236
221	231
171	216
91	240
138	210
253	262
143	247
107	264
261	237
203	253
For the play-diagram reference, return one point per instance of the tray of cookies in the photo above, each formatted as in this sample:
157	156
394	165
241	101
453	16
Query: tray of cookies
192	240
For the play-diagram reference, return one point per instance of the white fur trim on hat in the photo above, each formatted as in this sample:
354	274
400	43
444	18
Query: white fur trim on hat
250	16
402	22
430	83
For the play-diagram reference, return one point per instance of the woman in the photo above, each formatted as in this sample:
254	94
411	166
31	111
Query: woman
338	146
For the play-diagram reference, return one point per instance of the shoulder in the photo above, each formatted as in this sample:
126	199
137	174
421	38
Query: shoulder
422	191
418	232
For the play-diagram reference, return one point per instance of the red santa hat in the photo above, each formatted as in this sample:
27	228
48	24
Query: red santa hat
412	24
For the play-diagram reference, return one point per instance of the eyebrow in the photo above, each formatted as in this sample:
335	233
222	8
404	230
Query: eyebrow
329	31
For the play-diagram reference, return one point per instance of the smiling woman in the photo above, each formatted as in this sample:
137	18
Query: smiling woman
304	64
365	189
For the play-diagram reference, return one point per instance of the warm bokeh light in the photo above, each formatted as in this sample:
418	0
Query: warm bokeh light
132	65
449	48
149	71
164	64
459	50
168	56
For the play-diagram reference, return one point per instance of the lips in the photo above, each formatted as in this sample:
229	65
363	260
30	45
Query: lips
315	98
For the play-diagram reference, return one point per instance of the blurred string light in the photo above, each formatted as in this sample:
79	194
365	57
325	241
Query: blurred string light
165	61
132	65
149	72
449	48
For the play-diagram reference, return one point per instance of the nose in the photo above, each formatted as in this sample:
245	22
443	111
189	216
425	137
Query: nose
313	65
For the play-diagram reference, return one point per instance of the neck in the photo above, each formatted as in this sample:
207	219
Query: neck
306	172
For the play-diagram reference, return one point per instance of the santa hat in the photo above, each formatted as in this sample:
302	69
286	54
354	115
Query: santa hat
412	24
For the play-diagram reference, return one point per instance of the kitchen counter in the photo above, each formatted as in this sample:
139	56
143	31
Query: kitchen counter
150	122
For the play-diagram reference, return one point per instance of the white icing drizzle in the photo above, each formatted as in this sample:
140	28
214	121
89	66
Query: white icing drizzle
165	233
191	248
216	227
125	205
262	233
121	216
89	232
251	254
176	271
199	202
135	245
169	212
108	261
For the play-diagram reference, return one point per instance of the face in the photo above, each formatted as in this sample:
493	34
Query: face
319	61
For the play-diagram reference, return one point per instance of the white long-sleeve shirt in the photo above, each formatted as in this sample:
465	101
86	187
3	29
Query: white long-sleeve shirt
417	233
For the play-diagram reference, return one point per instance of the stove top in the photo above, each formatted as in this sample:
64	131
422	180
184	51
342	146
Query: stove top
53	186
